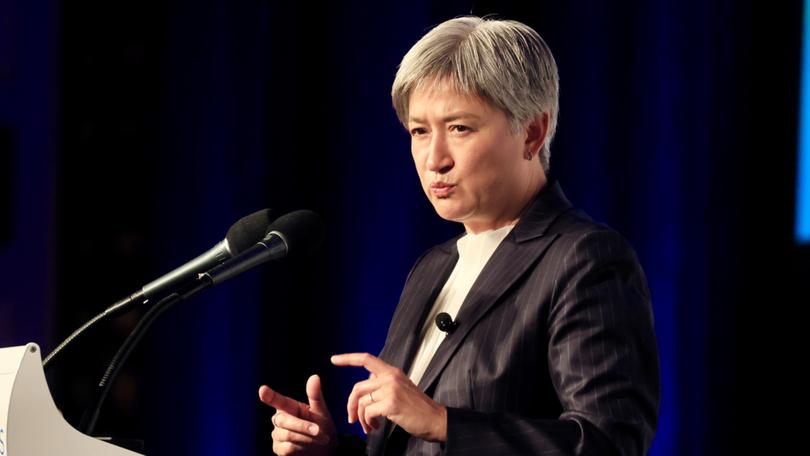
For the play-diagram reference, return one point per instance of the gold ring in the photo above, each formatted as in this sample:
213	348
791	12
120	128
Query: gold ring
371	395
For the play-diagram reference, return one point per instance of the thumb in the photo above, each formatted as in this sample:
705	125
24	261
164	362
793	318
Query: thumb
317	404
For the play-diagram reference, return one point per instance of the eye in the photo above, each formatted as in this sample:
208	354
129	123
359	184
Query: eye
460	128
418	131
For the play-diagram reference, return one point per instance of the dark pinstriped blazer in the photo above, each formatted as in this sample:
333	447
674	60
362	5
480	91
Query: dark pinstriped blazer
555	352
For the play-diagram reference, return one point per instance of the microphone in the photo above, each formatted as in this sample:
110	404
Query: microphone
241	235
299	232
446	323
244	233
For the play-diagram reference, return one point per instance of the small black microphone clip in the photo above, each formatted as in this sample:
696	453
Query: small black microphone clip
445	322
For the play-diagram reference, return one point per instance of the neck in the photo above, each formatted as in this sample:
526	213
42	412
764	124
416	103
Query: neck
537	181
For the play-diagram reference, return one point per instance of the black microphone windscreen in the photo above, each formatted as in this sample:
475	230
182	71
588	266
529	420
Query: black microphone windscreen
248	230
302	230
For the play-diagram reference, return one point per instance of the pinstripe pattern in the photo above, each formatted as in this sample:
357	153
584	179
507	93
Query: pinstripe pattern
555	351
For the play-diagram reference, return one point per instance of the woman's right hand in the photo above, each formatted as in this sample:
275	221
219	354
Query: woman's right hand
298	428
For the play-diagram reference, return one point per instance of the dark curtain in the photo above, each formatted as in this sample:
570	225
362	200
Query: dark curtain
170	120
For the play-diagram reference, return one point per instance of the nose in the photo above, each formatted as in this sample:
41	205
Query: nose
439	159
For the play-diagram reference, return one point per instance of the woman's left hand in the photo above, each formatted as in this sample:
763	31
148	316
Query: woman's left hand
391	394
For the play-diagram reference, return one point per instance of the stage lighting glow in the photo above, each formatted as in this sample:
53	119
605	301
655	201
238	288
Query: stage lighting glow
803	162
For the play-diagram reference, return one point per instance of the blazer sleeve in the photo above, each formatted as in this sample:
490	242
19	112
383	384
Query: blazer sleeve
602	357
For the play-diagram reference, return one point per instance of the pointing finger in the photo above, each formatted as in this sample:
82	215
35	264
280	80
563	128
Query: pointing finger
371	363
281	402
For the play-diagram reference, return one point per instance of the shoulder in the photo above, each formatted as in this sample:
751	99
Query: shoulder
593	256
587	254
579	236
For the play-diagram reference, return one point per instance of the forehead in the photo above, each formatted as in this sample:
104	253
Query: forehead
441	98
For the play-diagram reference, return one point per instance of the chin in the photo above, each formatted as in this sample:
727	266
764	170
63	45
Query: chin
449	210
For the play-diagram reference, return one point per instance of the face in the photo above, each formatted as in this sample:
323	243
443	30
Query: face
472	166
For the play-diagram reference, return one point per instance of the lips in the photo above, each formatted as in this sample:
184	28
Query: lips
442	189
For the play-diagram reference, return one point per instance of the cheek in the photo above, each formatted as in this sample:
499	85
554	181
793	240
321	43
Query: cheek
419	165
502	155
418	162
485	165
490	170
417	154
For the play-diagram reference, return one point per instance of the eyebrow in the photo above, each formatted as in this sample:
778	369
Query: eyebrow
449	118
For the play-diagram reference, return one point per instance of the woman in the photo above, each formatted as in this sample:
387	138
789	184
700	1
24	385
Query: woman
553	347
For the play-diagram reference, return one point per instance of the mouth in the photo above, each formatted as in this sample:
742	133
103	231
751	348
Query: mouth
442	189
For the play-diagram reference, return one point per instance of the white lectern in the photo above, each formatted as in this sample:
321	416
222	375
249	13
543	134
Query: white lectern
30	424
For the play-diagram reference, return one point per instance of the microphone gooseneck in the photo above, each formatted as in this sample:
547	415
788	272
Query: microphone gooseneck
244	233
90	417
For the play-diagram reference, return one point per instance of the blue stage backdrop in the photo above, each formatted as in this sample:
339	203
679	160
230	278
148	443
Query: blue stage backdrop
28	154
803	165
139	132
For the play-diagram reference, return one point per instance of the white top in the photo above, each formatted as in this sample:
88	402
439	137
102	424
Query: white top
474	250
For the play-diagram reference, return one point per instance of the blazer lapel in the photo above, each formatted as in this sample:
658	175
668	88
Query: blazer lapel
417	299
523	247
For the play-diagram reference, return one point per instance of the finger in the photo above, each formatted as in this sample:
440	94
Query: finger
284	435
370	362
367	386
295	424
281	402
373	413
317	404
285	448
372	421
361	413
360	389
365	401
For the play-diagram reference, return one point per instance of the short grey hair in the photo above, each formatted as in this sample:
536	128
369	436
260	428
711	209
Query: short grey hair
505	63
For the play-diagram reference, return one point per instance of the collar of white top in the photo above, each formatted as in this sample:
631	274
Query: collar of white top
485	241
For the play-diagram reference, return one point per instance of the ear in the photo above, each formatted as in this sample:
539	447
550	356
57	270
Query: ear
536	133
